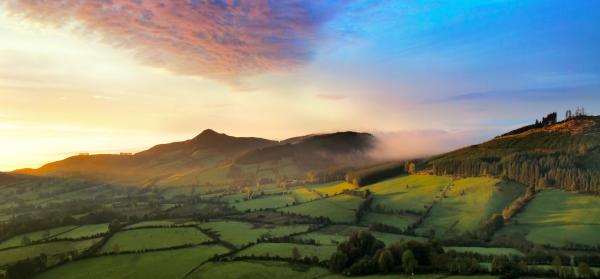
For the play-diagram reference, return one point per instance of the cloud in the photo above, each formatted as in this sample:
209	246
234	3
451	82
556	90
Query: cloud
224	40
532	94
410	144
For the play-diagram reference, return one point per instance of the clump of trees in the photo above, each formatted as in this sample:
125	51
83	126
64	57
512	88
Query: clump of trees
374	174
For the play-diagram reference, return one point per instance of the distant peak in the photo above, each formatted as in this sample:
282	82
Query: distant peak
208	132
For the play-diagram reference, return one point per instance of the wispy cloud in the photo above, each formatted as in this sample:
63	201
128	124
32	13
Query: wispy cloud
224	40
532	94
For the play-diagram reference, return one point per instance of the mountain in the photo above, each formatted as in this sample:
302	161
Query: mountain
562	154
207	150
214	158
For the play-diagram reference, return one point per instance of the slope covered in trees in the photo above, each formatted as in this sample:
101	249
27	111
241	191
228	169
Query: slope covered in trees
565	155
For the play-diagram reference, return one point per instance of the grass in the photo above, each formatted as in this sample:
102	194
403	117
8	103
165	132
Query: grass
34	236
394	220
241	233
339	209
486	251
304	194
284	250
274	201
155	238
50	248
555	217
468	204
393	194
335	234
258	269
84	231
332	188
164	264
155	223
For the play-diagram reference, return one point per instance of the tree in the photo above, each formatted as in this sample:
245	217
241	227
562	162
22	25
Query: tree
557	264
338	262
385	262
499	264
295	253
114	226
409	263
412	168
584	270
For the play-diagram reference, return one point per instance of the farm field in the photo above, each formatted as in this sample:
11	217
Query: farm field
162	264
409	192
154	223
304	194
34	236
153	238
84	231
556	217
51	248
394	220
284	250
339	208
271	201
241	233
332	188
258	269
335	234
486	251
468	204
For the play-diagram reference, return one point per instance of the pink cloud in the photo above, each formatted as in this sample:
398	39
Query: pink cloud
224	40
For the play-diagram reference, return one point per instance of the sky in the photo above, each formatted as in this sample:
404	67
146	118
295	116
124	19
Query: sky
424	76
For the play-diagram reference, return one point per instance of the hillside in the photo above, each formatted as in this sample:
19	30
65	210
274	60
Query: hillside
213	158
564	155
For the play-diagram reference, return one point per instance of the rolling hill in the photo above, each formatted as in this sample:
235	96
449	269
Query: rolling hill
565	155
214	158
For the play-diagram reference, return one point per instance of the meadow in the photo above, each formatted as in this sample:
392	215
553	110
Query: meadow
339	208
16	241
410	192
84	231
241	233
271	201
51	248
258	269
468	203
284	250
163	264
394	220
557	218
153	238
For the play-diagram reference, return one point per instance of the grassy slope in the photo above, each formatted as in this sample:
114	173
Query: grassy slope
84	231
258	269
554	217
34	236
393	194
155	238
340	208
240	233
469	204
163	264
284	250
51	248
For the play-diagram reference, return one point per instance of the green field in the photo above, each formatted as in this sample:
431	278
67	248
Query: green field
335	234
554	217
240	233
51	248
339	209
394	220
411	192
164	264
258	269
34	236
284	250
468	204
486	251
274	201
305	194
154	223
333	188
84	231
154	238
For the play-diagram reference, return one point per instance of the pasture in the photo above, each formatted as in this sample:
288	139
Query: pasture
339	209
335	234
556	218
84	231
332	188
411	192
485	251
258	269
468	204
18	240
163	264
153	238
241	233
284	250
394	220
51	248
271	201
